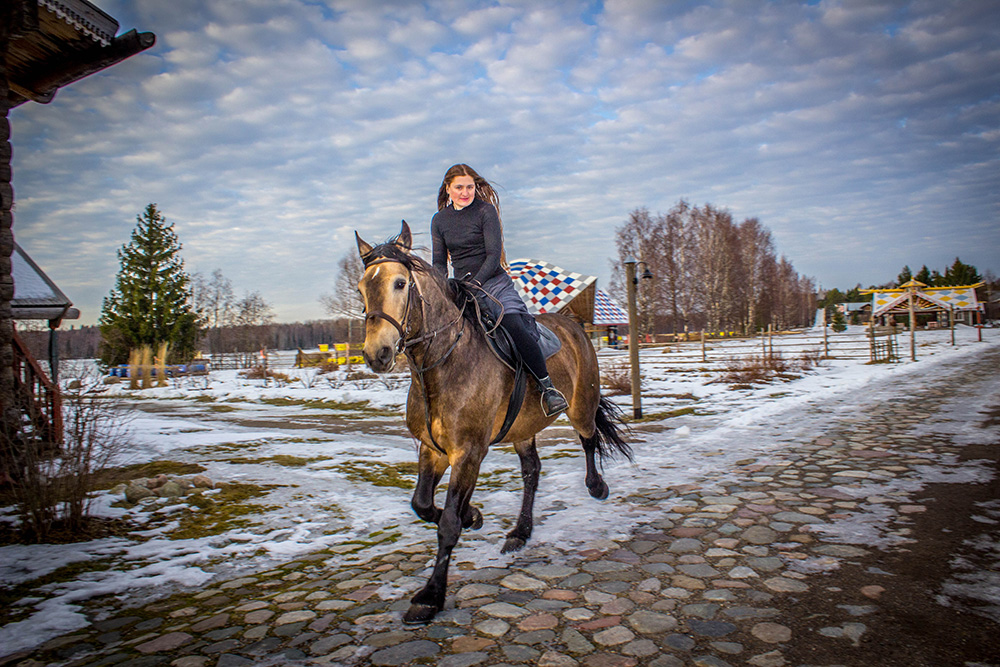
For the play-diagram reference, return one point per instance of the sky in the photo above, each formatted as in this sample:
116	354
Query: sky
865	135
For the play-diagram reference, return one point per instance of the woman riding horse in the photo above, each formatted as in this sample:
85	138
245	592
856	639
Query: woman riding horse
467	229
458	392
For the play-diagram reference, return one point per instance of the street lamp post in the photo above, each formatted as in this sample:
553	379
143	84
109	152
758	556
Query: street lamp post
631	283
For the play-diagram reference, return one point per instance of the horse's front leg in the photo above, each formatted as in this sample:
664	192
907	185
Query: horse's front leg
431	467
531	467
430	599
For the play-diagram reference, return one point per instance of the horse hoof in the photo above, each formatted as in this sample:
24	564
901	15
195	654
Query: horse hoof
512	544
601	491
419	614
477	520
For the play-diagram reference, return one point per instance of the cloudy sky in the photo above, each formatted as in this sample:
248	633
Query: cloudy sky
865	135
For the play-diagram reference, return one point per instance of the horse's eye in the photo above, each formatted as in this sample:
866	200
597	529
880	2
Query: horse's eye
399	284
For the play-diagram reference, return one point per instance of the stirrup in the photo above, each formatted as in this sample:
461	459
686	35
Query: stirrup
553	402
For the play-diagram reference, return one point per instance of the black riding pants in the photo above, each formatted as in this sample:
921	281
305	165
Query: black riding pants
521	328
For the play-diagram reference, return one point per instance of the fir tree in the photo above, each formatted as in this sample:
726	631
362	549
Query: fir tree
904	276
838	323
961	273
151	301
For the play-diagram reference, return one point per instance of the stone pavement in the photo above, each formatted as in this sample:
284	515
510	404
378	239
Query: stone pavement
719	576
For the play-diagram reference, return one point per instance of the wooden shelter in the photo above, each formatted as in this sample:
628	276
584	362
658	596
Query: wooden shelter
959	302
547	288
44	45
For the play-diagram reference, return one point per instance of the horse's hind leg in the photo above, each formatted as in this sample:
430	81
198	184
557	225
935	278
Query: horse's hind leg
595	483
531	467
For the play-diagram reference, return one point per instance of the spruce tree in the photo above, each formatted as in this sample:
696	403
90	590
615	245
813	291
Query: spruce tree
151	301
838	323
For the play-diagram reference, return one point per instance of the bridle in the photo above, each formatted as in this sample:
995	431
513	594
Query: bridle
405	344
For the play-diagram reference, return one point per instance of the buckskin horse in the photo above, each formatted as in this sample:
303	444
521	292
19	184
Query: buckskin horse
458	392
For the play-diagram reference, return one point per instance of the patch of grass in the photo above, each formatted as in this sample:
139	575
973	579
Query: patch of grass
284	460
496	479
401	475
657	416
223	448
562	454
222	408
105	479
314	404
222	511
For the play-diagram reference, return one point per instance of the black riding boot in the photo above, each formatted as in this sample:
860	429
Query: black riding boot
522	329
553	402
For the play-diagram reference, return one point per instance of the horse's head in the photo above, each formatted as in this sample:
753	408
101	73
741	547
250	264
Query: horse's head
389	293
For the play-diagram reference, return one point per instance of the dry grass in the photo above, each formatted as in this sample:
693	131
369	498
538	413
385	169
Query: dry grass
745	371
617	379
257	373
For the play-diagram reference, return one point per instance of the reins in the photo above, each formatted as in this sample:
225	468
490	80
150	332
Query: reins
405	345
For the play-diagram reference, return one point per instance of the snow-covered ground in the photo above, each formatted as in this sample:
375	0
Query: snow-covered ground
347	438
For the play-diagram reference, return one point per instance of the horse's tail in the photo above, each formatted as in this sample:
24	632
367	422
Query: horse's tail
611	432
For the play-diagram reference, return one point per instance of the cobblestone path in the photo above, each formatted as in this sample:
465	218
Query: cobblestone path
721	574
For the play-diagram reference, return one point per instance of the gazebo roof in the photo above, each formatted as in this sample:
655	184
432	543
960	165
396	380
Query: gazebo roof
56	42
36	297
547	288
607	312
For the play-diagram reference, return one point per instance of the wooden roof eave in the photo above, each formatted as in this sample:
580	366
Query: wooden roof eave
42	82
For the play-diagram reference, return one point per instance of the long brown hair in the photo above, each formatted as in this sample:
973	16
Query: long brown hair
484	191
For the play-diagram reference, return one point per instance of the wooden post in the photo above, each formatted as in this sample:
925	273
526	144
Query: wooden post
11	415
951	323
770	340
826	341
872	352
633	338
704	350
913	326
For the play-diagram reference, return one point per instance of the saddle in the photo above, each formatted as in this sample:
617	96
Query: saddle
488	314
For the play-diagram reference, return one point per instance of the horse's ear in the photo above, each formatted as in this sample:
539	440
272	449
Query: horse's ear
363	247
404	239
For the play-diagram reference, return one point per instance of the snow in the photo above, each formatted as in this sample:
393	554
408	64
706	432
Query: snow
234	427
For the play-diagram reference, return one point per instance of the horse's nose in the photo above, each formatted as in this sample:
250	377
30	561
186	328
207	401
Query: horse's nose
384	357
381	361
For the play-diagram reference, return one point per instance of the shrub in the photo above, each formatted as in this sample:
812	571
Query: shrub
50	484
617	379
754	369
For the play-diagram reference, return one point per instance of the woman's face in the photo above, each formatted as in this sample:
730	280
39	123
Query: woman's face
462	191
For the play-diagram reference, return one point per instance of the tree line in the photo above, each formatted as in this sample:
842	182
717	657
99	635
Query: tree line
958	273
710	273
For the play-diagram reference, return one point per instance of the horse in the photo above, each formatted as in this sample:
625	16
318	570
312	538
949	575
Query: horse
457	397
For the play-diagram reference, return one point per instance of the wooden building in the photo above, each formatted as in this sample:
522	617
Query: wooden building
44	45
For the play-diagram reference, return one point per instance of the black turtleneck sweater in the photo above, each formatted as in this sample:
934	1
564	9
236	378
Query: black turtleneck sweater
472	238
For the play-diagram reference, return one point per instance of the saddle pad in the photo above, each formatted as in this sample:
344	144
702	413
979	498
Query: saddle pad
548	341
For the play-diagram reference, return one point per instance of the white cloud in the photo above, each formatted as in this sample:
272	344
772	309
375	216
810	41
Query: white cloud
297	123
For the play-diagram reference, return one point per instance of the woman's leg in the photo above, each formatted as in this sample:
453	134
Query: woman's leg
522	330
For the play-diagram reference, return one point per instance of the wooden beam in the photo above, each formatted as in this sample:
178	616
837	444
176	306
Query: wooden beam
42	83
